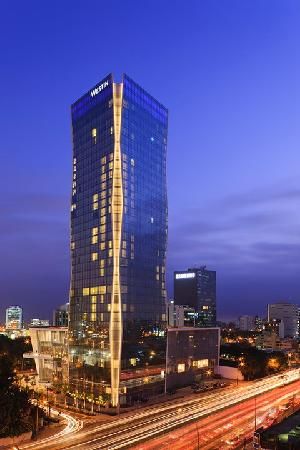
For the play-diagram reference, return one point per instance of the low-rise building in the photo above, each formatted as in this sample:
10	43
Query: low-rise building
50	352
192	354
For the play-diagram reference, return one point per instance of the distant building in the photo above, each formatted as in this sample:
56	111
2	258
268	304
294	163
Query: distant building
50	352
14	318
247	323
39	323
288	313
258	323
196	288
268	340
276	326
61	316
181	315
192	354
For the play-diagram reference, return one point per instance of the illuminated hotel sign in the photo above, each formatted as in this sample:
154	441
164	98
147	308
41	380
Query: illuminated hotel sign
99	88
178	276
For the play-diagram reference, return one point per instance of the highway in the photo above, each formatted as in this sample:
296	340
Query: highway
132	429
226	429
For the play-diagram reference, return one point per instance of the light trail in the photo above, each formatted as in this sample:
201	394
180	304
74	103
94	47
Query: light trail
73	426
181	413
129	430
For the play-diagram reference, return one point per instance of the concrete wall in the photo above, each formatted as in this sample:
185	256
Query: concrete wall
231	373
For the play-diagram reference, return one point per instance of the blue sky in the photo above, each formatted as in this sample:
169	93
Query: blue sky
229	73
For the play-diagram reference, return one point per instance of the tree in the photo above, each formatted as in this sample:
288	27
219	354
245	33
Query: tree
14	402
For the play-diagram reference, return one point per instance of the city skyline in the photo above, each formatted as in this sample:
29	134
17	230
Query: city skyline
232	156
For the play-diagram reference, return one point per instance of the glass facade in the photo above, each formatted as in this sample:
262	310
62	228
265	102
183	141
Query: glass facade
196	288
118	235
14	318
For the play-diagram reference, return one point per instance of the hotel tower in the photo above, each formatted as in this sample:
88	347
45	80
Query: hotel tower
118	241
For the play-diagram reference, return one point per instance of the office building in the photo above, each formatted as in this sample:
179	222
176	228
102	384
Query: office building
197	288
61	316
276	326
181	315
39	323
288	313
118	234
192	355
14	318
247	323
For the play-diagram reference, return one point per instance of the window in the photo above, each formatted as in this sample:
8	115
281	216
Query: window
94	239
94	135
94	256
94	231
180	368
200	363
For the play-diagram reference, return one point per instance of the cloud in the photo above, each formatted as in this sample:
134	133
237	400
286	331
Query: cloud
248	238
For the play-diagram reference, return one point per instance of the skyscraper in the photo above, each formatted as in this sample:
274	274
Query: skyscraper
197	288
118	233
61	316
14	318
288	313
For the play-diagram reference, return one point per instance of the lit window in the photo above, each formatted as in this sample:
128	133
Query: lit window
101	272
200	363
132	161
95	197
94	231
86	291
102	246
123	253
102	262
73	206
94	135
72	245
205	307
94	239
94	256
180	368
110	253
95	206
93	299
103	160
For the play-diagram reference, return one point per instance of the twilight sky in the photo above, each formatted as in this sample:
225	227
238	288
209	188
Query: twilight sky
229	73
